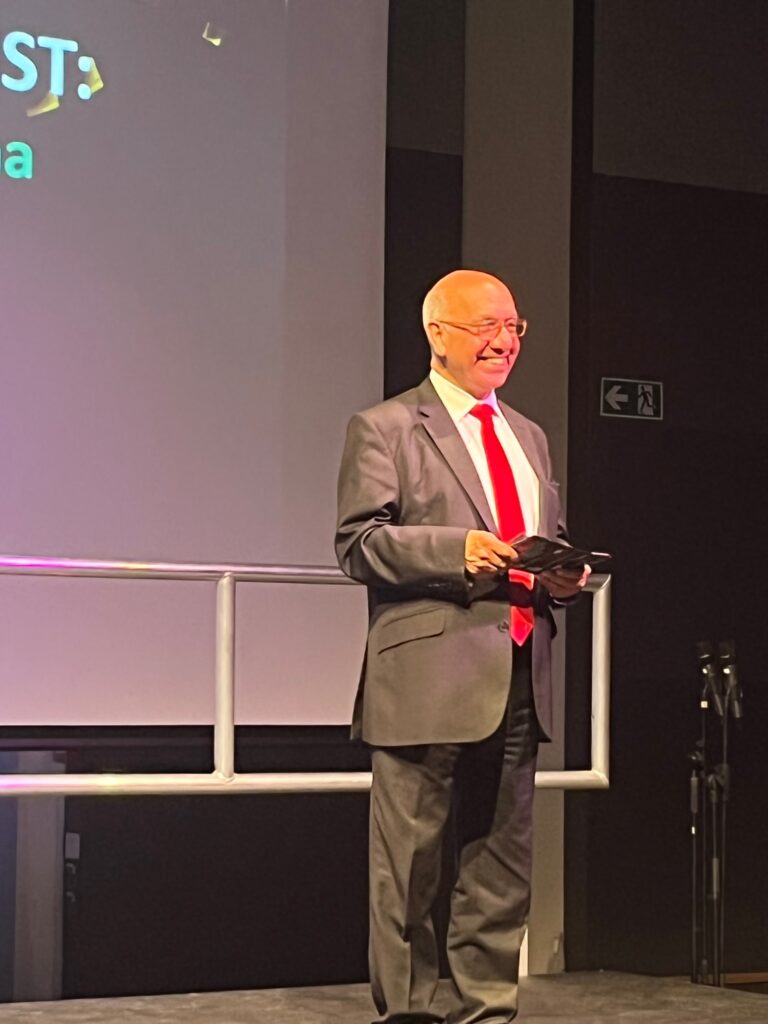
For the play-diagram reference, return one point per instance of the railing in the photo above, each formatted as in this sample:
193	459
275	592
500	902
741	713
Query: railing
224	779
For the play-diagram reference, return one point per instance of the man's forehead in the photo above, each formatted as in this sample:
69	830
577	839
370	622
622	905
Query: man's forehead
482	296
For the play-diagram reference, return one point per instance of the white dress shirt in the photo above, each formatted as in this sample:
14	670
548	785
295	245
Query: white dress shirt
459	404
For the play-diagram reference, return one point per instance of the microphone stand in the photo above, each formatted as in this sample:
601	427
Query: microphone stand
708	843
702	875
733	707
699	967
715	892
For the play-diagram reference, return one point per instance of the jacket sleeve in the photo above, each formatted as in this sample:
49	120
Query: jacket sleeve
372	544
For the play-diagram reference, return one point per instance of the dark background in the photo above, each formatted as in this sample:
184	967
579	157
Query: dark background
668	283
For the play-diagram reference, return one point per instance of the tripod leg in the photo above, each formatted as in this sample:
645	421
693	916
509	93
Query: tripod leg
714	881
695	925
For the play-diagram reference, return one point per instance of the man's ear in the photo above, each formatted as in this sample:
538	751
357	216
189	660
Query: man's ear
436	336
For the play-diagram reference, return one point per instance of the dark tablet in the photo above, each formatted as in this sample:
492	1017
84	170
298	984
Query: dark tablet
537	554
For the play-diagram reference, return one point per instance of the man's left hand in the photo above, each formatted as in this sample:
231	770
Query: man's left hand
564	583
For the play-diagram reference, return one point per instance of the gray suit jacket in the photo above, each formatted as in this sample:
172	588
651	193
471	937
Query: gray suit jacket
439	656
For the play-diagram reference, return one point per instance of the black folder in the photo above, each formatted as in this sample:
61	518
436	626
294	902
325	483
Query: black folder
537	554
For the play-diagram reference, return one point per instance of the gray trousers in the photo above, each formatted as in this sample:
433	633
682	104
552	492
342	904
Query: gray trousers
484	791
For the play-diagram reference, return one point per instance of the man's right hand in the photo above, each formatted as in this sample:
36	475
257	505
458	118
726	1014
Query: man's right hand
484	552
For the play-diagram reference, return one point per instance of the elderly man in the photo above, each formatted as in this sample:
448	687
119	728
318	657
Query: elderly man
455	690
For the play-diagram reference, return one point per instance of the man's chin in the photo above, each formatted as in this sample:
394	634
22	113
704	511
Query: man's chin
496	372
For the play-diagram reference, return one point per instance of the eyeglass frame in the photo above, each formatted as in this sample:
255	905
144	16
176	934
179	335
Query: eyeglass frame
490	325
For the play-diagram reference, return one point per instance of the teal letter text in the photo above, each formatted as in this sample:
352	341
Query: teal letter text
21	163
25	64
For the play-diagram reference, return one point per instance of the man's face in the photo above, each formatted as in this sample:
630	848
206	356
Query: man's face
476	365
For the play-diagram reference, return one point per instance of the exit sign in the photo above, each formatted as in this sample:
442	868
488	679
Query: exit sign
631	399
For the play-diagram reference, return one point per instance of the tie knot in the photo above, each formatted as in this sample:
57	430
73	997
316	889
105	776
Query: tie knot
483	412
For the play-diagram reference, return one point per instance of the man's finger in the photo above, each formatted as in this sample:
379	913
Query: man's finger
568	574
495	560
505	550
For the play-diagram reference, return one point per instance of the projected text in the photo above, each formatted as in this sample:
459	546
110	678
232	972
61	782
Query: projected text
45	55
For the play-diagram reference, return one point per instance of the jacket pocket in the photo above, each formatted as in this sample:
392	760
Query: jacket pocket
415	626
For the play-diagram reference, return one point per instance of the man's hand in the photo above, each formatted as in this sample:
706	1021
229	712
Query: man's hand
564	583
484	552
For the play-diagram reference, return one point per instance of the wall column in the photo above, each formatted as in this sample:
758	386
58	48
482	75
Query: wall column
517	187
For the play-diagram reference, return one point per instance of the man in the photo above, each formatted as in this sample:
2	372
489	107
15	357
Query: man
455	689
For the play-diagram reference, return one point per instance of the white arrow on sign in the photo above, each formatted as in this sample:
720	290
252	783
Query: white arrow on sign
615	397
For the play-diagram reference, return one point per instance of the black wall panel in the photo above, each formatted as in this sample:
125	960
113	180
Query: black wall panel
668	284
178	894
423	242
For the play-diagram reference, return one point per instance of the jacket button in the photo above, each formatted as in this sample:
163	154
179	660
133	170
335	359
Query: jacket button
503	627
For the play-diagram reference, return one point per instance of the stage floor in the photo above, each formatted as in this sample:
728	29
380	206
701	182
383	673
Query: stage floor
593	998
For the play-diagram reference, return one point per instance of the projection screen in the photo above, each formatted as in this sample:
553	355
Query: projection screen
192	196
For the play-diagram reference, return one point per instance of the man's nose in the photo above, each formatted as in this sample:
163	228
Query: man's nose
504	340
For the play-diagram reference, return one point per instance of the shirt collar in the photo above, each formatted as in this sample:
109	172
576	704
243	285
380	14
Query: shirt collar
458	402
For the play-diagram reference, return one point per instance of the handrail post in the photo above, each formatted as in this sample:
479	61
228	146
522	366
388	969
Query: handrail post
224	721
601	673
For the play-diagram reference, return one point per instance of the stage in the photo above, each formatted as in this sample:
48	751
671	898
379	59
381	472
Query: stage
589	998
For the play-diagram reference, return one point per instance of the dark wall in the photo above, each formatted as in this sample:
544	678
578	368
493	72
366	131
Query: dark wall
669	285
423	242
425	132
8	822
177	894
679	92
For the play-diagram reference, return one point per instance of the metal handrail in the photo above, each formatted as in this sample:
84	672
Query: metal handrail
32	565
224	779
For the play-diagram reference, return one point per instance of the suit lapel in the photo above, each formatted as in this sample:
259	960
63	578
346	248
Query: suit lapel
525	436
537	458
438	424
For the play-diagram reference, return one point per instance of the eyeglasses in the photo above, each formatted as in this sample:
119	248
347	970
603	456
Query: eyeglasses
489	330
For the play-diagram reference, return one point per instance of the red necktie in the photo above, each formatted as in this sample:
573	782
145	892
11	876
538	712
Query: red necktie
508	513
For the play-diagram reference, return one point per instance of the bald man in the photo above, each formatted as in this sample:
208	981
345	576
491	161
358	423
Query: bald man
455	690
